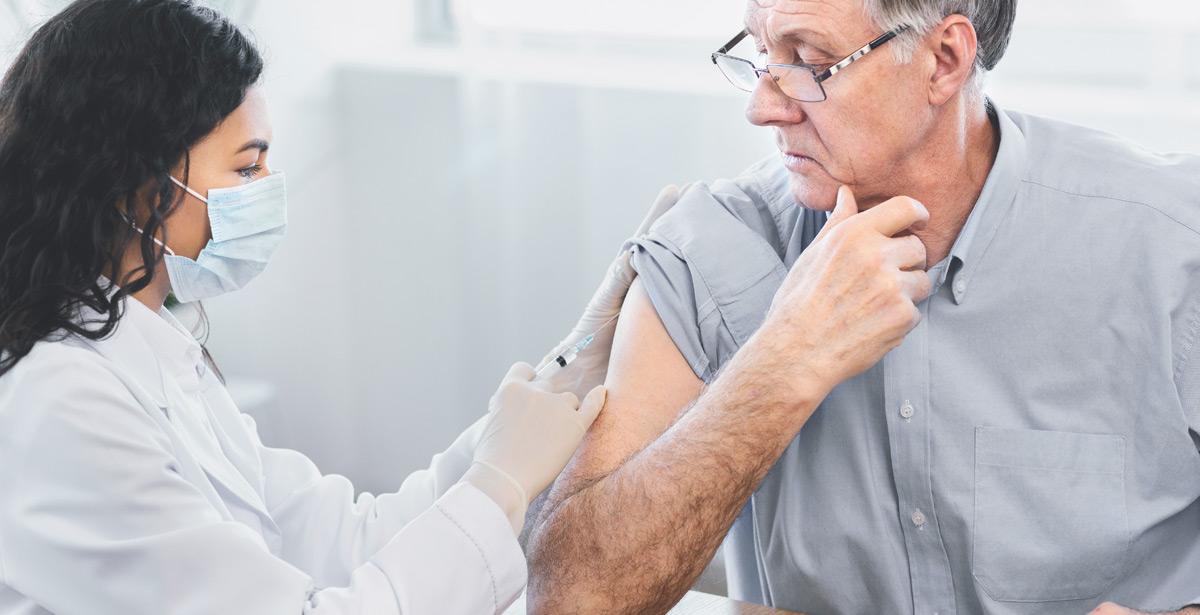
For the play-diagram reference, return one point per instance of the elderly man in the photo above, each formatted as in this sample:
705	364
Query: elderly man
1029	446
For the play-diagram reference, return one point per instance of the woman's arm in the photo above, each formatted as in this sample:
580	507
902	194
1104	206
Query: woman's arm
96	519
328	528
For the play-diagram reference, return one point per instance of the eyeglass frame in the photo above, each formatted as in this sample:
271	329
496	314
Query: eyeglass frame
819	79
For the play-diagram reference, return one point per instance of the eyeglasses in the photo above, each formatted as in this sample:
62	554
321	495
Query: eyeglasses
799	81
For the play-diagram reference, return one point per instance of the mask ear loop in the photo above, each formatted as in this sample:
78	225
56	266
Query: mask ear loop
156	240
188	190
139	229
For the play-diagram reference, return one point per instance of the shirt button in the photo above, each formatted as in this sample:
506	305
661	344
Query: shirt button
200	369
960	286
918	518
906	410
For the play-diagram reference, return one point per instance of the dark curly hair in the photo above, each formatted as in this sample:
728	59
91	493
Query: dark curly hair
103	101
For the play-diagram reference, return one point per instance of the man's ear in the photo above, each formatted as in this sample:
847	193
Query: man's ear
953	46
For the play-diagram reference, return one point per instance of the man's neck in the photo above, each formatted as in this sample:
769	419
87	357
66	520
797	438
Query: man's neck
948	173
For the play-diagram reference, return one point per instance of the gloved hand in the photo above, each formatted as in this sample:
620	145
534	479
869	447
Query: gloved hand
530	435
591	366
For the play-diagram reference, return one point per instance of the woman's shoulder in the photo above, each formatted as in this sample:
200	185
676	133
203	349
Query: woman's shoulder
60	353
57	370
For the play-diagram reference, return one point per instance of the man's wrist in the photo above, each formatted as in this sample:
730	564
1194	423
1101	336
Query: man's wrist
775	374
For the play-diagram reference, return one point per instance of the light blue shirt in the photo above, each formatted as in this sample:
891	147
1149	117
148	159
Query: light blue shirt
1031	447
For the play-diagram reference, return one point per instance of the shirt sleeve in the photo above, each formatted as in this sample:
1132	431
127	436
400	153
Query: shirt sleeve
96	519
675	295
711	266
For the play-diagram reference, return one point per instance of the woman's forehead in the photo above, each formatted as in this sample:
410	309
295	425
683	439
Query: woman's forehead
252	116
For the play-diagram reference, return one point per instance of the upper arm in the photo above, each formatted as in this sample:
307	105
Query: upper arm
649	383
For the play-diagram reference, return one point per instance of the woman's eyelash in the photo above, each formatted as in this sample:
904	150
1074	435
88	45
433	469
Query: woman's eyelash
250	172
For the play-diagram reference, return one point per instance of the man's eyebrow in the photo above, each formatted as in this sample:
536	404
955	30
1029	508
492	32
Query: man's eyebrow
258	144
795	34
804	37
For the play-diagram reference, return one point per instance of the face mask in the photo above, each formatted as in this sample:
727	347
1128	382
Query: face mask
248	224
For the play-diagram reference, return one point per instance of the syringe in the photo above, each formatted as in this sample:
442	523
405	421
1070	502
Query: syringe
568	355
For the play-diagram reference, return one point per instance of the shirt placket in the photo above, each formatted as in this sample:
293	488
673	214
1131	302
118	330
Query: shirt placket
906	395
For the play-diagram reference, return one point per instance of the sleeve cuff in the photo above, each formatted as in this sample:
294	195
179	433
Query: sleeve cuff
460	556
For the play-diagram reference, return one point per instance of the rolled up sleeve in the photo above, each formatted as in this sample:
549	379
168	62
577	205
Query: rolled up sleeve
675	297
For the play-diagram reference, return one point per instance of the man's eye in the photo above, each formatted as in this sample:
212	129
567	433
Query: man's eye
251	172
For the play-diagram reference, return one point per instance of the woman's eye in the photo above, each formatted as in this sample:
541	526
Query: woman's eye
251	172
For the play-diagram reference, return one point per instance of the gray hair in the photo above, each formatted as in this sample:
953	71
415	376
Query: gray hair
993	21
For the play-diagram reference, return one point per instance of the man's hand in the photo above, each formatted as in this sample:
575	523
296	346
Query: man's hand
850	298
1109	608
655	467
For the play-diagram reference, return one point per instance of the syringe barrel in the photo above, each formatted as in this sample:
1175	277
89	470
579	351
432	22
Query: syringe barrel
568	356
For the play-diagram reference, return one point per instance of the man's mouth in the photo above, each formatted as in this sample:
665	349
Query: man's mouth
799	163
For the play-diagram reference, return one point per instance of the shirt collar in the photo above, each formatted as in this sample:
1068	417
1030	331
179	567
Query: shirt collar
995	201
178	351
152	346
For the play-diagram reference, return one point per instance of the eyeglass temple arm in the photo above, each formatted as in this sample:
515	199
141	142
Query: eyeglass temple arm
864	50
733	42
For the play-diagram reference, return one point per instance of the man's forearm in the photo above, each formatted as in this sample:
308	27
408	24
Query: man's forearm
636	539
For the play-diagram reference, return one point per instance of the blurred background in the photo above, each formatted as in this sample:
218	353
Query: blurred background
461	172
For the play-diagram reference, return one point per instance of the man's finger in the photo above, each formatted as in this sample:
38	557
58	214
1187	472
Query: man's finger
845	208
895	215
916	285
906	253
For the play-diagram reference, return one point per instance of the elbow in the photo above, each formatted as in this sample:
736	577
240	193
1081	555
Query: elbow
550	596
555	575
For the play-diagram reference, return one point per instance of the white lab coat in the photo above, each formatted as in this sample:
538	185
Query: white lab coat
130	483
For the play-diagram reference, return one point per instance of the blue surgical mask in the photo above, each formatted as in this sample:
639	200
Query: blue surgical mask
248	224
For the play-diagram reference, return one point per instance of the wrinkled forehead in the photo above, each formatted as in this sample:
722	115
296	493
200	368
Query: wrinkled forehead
828	24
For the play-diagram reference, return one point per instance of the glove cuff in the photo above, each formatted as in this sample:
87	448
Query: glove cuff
502	489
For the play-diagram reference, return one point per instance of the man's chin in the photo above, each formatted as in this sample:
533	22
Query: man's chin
812	193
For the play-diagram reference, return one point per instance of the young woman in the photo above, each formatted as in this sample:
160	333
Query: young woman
134	164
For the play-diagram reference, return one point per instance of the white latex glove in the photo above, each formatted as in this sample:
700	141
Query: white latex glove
591	366
530	435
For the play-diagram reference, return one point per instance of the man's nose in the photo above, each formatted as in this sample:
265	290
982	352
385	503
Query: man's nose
769	106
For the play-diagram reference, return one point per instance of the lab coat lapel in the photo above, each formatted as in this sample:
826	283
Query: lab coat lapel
204	442
127	348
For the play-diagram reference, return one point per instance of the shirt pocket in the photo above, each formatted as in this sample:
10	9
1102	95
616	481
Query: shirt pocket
1050	515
